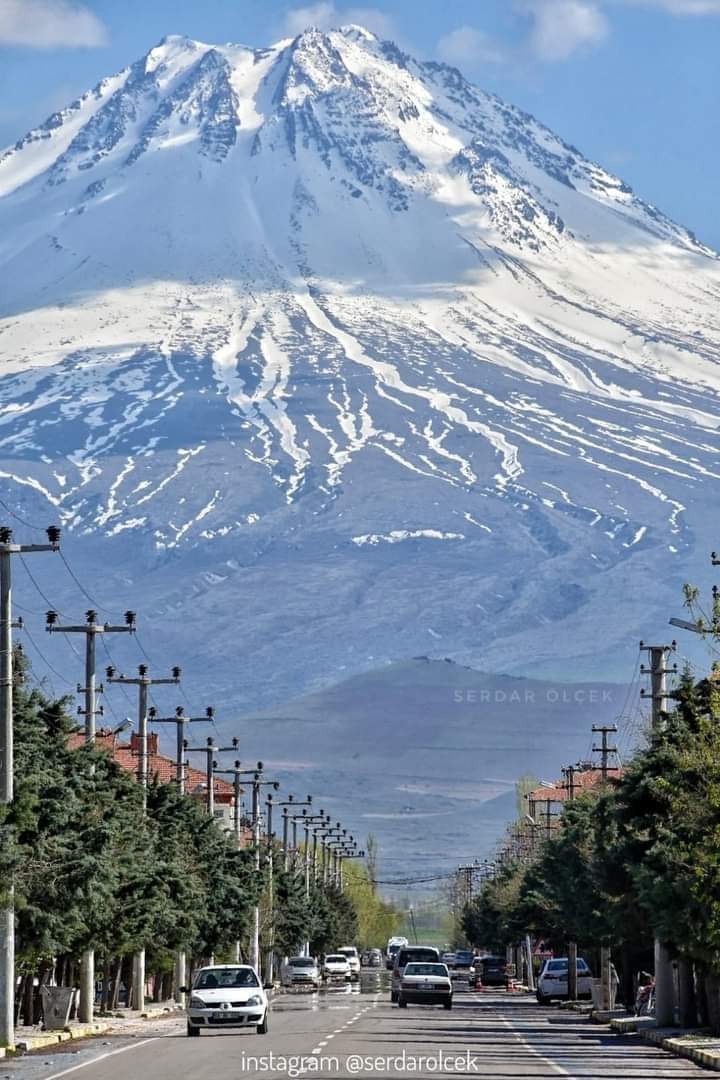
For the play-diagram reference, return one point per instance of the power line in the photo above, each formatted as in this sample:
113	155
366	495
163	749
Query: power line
81	587
39	590
22	520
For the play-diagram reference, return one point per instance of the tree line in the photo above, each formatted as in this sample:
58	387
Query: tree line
631	860
91	869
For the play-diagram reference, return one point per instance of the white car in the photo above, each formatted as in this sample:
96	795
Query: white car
553	980
301	971
336	966
353	958
425	984
227	995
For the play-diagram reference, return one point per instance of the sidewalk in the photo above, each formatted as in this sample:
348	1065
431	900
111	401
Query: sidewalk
697	1046
34	1038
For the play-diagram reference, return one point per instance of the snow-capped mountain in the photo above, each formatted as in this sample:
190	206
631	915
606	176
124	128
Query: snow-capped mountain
325	348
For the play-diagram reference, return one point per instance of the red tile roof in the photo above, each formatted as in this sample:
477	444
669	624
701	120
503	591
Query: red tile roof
583	780
160	766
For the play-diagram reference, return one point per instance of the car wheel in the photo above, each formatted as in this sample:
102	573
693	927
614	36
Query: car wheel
262	1028
447	1004
393	996
542	1000
192	1030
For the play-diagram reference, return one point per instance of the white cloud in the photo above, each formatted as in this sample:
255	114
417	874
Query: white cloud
326	16
681	7
560	27
48	24
466	45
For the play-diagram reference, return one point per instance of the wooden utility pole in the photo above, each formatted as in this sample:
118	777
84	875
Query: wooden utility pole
7	761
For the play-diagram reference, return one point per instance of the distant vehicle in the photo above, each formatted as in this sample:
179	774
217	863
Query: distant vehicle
393	948
488	971
372	958
425	984
301	971
336	967
227	995
462	964
448	958
353	959
553	980
397	939
411	954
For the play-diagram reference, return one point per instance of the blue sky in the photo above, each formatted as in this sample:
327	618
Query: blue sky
635	84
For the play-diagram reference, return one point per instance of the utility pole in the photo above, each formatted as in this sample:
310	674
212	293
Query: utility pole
236	773
569	785
290	802
271	898
659	671
209	750
257	784
307	820
180	720
350	852
143	682
7	761
604	750
90	629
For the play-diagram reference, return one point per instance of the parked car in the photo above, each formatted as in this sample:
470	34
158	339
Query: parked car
488	971
226	995
335	967
553	980
301	971
353	959
448	958
371	958
425	984
410	954
462	964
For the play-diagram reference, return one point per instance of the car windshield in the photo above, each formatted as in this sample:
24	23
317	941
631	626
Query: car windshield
492	961
302	961
349	952
336	959
464	956
211	979
426	969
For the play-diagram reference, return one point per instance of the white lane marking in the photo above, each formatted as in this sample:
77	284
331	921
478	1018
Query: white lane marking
102	1057
533	1050
315	1051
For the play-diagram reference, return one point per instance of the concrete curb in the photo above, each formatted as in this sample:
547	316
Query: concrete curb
52	1038
697	1046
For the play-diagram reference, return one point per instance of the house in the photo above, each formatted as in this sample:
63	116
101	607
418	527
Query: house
163	769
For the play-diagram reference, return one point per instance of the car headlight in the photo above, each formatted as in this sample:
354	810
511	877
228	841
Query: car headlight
197	1003
254	1000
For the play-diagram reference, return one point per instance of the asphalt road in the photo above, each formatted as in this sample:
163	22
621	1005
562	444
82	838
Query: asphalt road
344	1033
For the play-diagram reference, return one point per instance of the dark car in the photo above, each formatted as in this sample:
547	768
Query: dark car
489	971
462	964
410	954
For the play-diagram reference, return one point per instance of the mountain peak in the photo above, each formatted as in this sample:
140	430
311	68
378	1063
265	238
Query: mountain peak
326	314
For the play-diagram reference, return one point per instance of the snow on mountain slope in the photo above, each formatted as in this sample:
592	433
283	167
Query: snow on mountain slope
356	346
